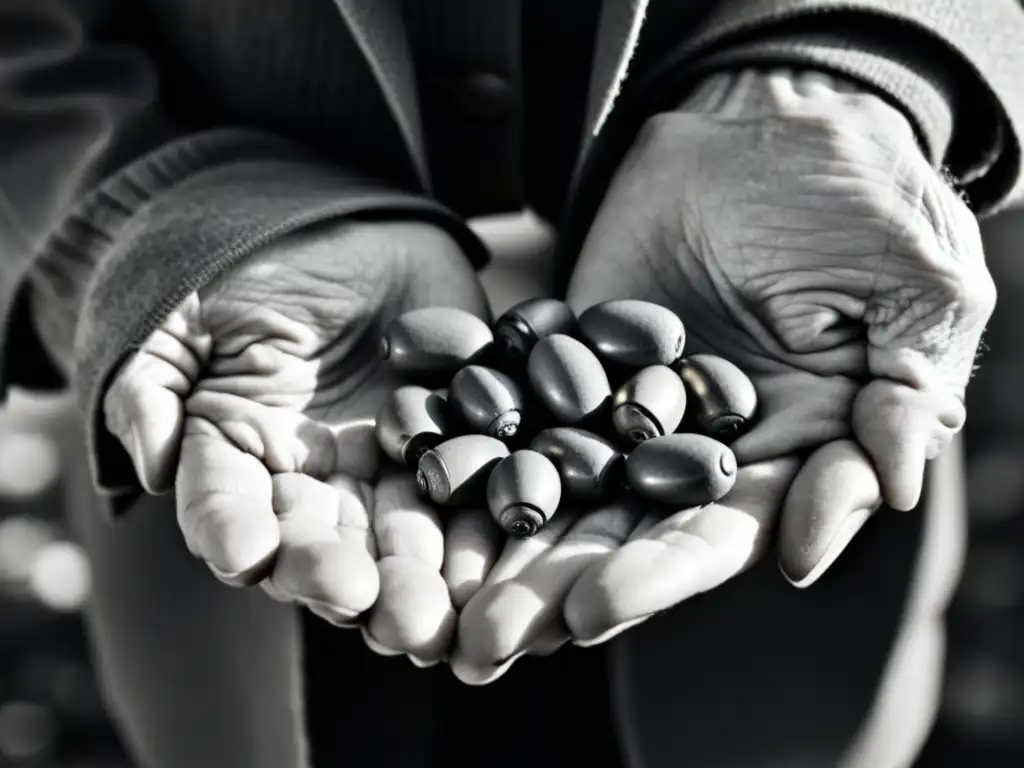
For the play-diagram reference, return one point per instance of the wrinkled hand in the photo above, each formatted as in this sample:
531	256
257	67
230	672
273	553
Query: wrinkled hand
258	394
798	230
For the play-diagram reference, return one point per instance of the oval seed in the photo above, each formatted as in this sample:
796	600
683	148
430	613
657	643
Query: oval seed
434	340
634	333
488	400
650	404
412	420
523	493
589	465
683	470
568	378
520	328
455	472
722	397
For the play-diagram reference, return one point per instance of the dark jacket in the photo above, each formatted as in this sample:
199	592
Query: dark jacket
147	147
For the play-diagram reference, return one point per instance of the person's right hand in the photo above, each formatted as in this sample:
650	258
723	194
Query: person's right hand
793	223
258	394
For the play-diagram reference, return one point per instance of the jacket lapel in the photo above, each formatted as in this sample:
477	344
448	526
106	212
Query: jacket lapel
617	34
378	29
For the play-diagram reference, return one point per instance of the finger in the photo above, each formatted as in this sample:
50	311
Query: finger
647	522
442	278
517	554
405	524
923	336
833	495
472	544
503	621
551	640
325	557
144	408
357	452
284	440
901	428
687	553
796	412
224	500
513	613
413	613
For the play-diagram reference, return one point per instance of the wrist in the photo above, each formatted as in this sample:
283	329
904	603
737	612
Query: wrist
750	93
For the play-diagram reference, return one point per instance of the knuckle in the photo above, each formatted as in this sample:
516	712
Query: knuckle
879	397
123	379
185	319
317	450
262	359
949	289
113	413
655	129
983	292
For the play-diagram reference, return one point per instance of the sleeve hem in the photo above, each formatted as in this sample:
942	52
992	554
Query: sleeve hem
187	237
920	53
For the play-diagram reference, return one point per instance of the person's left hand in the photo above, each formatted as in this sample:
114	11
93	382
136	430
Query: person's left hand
797	229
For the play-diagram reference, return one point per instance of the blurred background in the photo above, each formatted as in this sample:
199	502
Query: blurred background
52	714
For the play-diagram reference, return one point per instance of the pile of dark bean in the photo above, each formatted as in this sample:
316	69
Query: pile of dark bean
545	408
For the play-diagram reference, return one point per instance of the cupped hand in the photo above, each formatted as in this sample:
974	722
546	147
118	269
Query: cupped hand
798	230
255	402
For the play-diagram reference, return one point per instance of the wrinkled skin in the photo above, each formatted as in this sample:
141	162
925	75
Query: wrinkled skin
255	402
798	230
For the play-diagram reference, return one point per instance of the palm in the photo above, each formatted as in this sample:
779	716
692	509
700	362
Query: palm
293	356
804	400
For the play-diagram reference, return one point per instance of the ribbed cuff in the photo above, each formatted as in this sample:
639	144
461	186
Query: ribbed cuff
925	103
953	67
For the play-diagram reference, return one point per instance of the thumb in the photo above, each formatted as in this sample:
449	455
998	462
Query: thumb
144	406
901	428
834	494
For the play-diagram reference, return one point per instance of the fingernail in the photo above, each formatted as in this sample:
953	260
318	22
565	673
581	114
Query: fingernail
509	659
375	646
608	635
339	617
241	579
843	536
477	674
423	663
139	458
547	649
